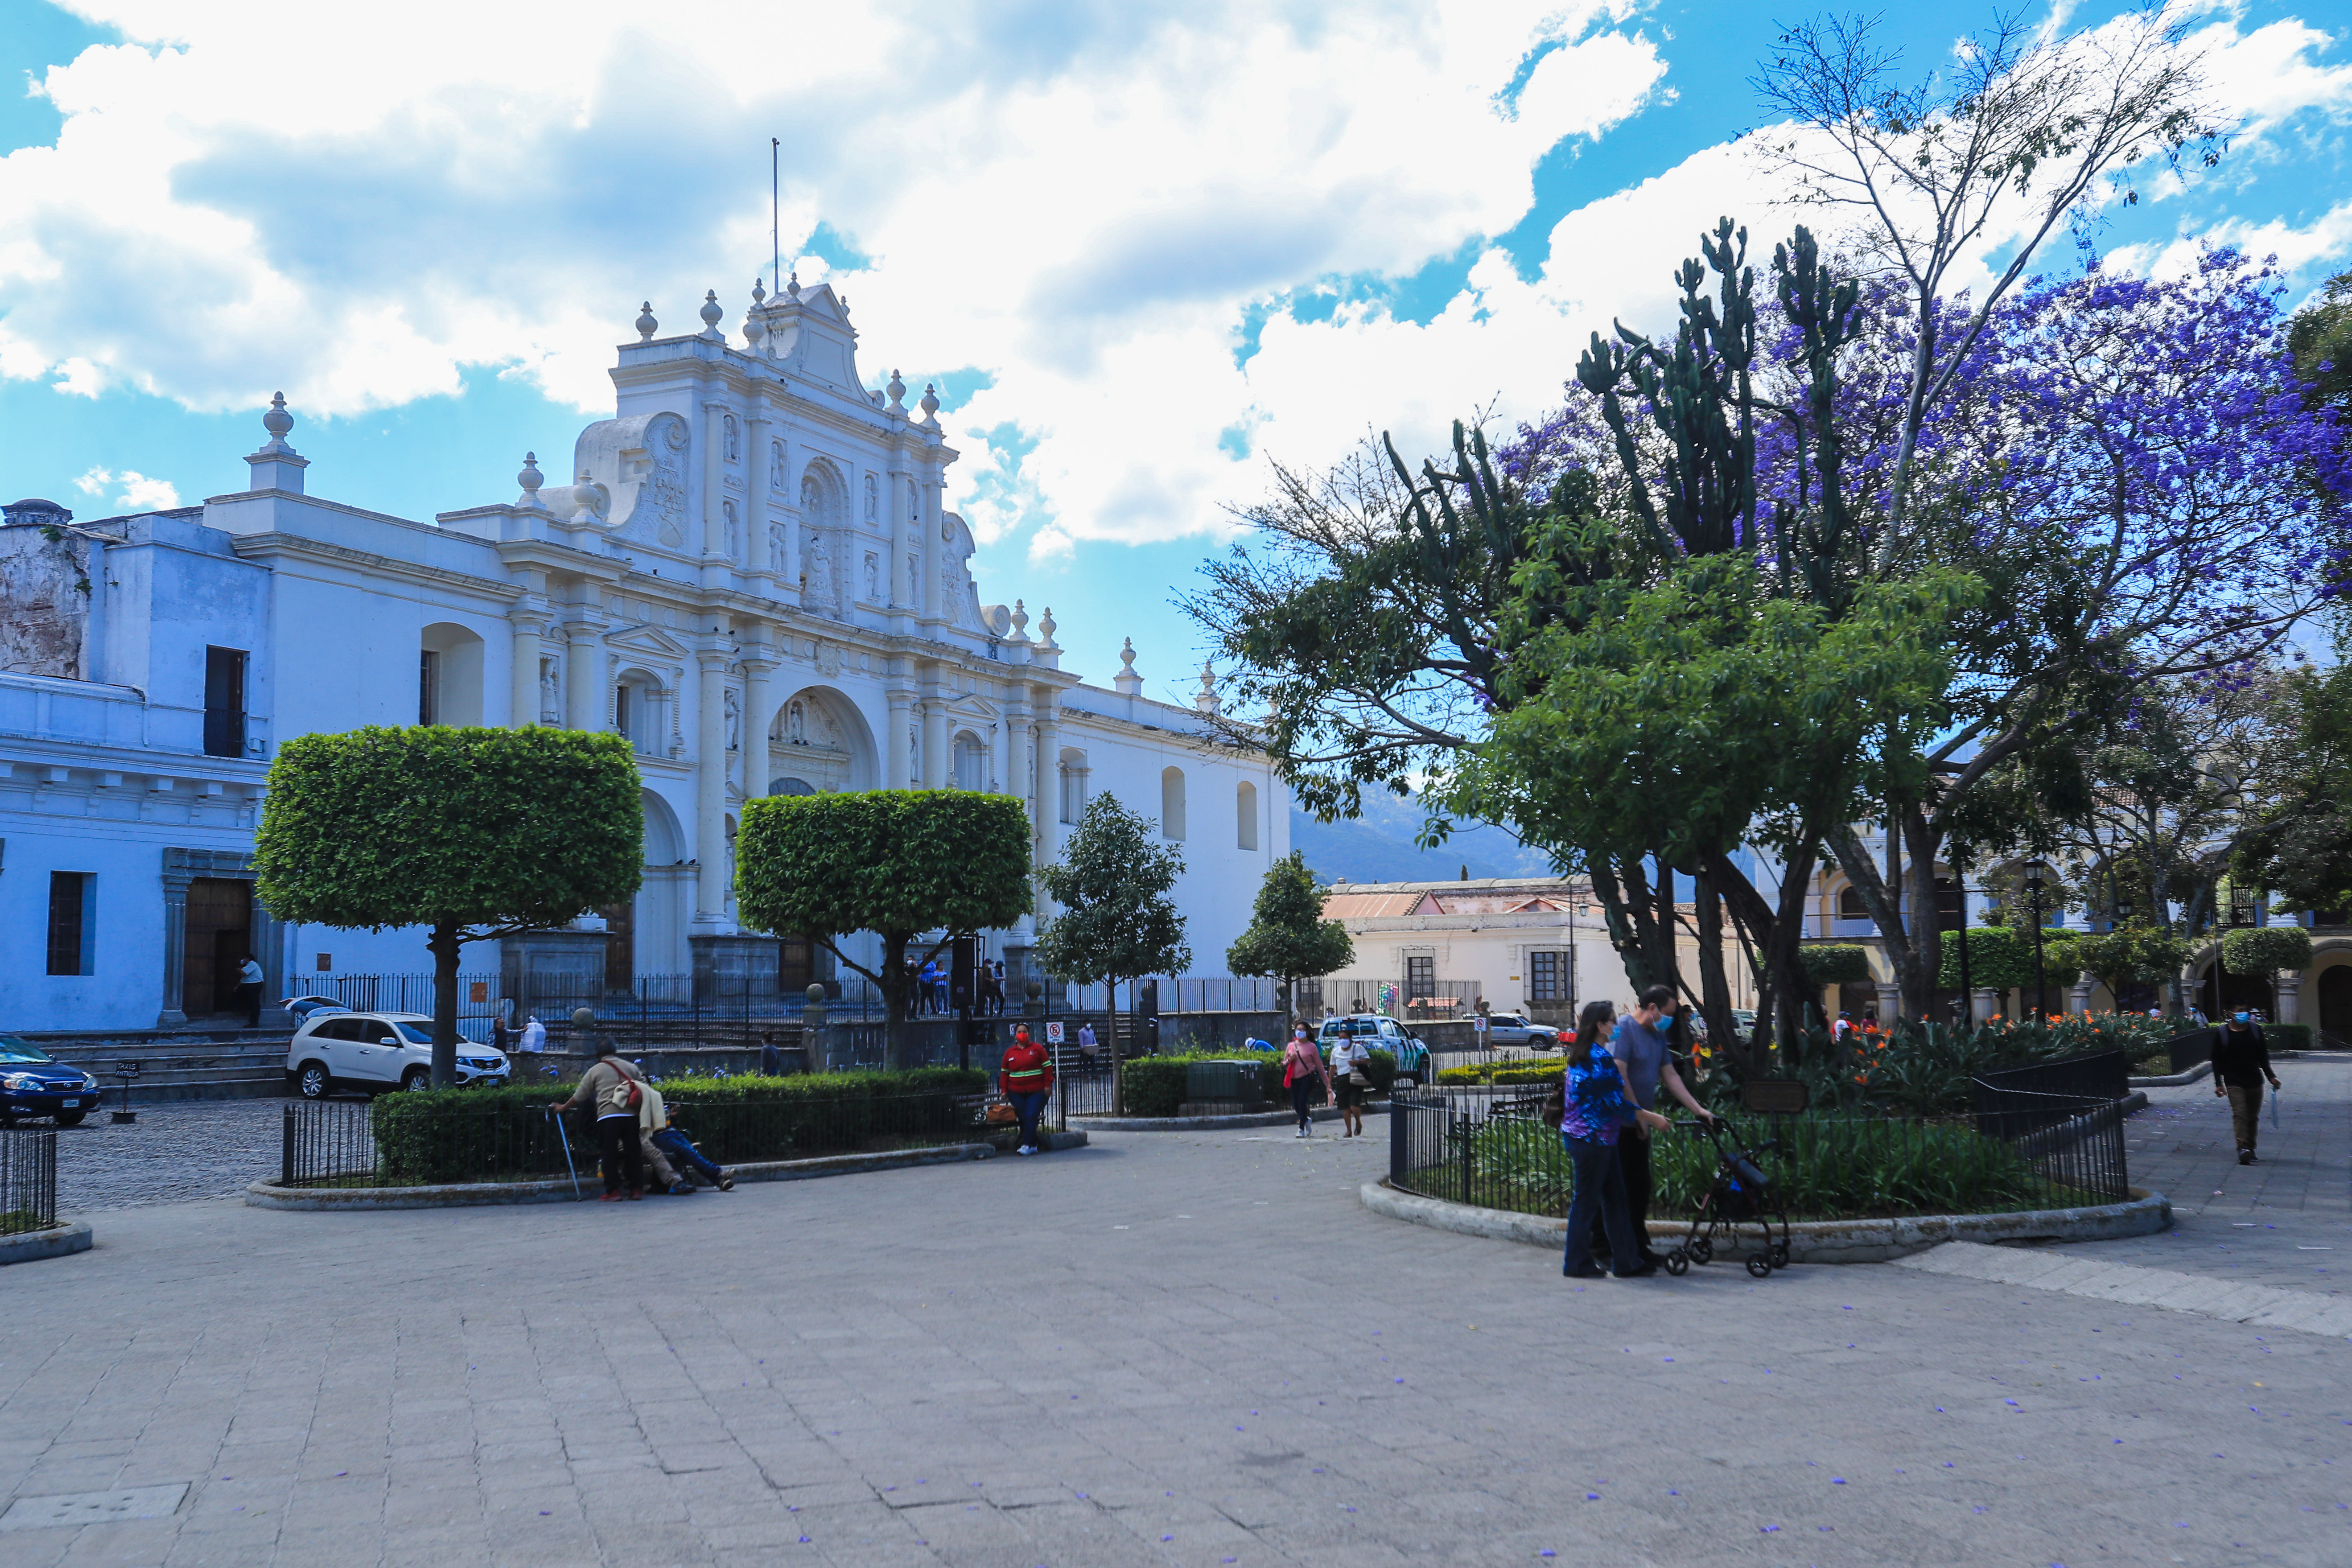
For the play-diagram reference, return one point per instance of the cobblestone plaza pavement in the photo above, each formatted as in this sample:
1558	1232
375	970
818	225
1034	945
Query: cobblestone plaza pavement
1162	1349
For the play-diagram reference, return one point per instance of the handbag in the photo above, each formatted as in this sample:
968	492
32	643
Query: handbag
1001	1113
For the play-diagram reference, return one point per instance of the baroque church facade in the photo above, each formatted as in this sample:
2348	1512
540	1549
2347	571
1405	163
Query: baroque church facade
750	573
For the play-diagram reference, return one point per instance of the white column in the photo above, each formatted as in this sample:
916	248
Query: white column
935	733
1011	759
523	704
755	491
710	791
927	496
899	763
714	478
759	709
894	488
2289	984
1048	780
584	675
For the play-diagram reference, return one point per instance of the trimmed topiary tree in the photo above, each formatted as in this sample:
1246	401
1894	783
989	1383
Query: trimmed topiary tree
1288	936
897	862
2266	950
2000	958
475	833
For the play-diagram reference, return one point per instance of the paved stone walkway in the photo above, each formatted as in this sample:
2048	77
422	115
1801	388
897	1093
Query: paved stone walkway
1167	1348
176	1151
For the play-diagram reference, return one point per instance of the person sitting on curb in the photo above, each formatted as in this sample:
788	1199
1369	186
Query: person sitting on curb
2241	1059
653	1115
675	1142
614	1090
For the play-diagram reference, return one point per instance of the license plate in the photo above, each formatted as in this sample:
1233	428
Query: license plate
69	1104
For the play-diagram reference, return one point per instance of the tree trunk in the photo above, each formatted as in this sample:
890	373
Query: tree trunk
1715	985
1117	1070
445	945
897	987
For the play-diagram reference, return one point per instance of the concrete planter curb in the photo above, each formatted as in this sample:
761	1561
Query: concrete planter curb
1810	1241
1212	1123
2174	1080
55	1242
478	1194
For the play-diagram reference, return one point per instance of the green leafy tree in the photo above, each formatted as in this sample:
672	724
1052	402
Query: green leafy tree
2000	958
1117	920
2138	953
2300	846
1288	936
475	833
1836	965
2266	950
897	862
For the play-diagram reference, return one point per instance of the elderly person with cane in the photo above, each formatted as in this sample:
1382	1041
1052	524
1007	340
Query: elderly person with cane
615	1089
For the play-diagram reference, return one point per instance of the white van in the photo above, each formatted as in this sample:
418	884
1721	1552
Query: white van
372	1052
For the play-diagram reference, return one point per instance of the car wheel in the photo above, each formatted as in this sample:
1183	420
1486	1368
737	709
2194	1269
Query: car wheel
416	1078
312	1081
71	1118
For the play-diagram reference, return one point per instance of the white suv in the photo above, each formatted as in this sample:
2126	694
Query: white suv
372	1052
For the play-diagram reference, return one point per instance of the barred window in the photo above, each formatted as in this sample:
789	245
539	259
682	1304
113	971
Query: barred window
1548	977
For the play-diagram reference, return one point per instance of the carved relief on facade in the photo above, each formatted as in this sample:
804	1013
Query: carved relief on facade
824	540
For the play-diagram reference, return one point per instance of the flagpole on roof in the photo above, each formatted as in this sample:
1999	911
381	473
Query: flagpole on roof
775	214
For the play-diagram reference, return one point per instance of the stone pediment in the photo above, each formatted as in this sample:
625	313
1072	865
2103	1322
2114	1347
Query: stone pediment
809	332
646	639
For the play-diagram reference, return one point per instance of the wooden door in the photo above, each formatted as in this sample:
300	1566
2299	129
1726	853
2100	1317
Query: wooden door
218	937
621	947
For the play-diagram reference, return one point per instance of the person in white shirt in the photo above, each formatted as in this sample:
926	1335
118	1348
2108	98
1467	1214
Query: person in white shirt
1347	1059
248	987
534	1033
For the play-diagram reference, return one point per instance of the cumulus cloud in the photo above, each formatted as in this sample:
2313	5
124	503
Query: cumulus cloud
1063	212
135	491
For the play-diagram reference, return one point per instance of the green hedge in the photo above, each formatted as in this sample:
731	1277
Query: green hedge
2287	1037
507	1134
1155	1085
1503	1072
2266	950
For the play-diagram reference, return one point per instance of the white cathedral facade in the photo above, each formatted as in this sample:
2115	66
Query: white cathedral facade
750	573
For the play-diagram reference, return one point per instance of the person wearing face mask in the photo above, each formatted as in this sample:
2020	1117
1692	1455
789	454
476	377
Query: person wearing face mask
2241	1060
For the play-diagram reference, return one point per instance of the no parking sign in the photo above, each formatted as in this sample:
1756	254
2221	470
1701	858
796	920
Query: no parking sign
1053	1034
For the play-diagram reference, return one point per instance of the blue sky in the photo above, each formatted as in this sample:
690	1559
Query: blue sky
1140	249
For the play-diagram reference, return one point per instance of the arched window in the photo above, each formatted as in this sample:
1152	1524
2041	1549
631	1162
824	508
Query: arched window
449	676
1850	904
970	761
637	712
1245	815
1171	803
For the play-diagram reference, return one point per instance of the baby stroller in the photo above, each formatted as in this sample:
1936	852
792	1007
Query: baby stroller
1741	1195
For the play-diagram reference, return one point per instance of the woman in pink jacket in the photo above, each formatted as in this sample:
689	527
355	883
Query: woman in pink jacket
1302	1071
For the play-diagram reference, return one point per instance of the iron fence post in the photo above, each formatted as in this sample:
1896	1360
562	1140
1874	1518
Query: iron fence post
1469	1148
285	1149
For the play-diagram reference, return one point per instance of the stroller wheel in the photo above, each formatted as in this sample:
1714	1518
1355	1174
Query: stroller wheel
1760	1265
1678	1263
1779	1255
1702	1250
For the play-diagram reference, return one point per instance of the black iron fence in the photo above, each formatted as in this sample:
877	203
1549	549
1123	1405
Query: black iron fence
28	1180
1492	1148
2099	1075
653	1010
343	1143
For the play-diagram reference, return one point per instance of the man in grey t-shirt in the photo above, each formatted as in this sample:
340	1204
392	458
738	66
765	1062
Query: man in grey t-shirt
1644	1057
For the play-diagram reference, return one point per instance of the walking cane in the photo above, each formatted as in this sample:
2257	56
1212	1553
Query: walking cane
566	1139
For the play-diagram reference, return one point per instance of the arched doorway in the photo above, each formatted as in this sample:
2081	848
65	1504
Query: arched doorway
2336	1001
819	740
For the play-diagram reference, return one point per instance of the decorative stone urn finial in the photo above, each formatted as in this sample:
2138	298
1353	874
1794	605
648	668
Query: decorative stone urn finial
277	422
759	290
897	390
930	404
1045	628
530	479
1126	681
646	325
794	288
711	312
1020	622
1207	702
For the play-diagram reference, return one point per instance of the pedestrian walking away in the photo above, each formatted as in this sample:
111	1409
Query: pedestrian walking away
1642	1047
2241	1060
1025	1078
771	1060
1349	1084
248	990
613	1089
1306	1079
1594	1110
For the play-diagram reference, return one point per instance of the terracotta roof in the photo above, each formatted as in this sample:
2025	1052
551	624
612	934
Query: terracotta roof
1352	905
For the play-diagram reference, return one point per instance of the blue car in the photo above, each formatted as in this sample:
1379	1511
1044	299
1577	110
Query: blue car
34	1083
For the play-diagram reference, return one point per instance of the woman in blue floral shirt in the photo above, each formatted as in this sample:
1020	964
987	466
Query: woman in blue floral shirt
1594	1106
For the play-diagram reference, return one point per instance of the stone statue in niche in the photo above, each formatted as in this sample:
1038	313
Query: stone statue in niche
873	578
796	726
730	541
776	464
734	447
734	713
549	712
873	499
776	545
818	592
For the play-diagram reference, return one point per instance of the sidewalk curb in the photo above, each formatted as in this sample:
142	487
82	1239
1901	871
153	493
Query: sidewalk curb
482	1194
1810	1241
57	1241
2174	1080
1212	1123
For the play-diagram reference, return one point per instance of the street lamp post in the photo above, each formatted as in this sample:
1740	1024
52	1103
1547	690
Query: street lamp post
1968	993
2033	890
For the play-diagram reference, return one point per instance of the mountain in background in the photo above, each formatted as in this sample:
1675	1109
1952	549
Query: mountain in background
1378	847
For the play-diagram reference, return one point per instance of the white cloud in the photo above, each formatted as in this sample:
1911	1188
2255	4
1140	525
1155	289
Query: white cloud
135	491
1077	203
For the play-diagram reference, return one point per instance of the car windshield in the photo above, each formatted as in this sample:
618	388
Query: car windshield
414	1034
13	1049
